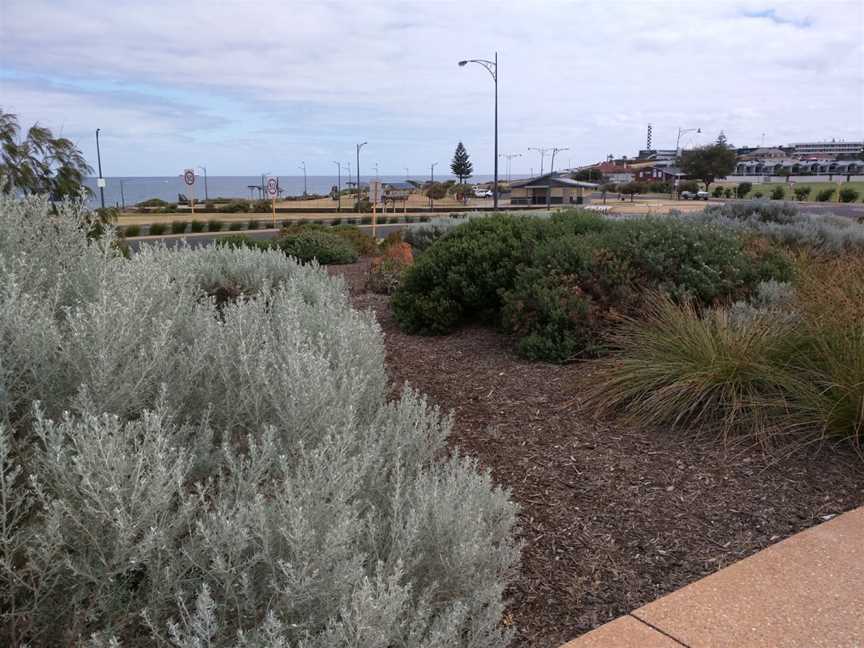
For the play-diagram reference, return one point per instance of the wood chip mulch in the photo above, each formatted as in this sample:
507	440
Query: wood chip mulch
612	516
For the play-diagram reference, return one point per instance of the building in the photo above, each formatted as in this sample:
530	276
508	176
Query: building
794	166
658	155
832	149
549	189
616	173
764	154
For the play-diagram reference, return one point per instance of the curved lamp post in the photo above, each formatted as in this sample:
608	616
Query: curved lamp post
492	69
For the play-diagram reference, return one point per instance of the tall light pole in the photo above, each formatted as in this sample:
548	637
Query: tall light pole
554	151
338	186
509	157
303	167
683	131
492	69
432	184
101	180
542	152
359	146
407	174
206	196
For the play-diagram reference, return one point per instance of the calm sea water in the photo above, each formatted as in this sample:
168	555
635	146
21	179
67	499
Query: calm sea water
133	190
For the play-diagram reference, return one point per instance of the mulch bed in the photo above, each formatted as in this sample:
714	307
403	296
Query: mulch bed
612	516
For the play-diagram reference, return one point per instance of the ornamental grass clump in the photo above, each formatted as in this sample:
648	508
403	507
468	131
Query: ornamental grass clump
179	472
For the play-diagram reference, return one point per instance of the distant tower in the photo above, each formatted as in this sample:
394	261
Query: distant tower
648	145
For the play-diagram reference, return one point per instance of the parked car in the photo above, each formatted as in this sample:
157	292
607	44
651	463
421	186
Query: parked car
479	192
699	195
702	195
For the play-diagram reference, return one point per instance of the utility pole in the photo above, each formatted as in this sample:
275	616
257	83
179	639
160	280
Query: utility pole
554	151
101	180
542	152
338	186
431	185
407	175
305	187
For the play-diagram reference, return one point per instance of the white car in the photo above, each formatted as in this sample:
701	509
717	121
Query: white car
482	193
699	195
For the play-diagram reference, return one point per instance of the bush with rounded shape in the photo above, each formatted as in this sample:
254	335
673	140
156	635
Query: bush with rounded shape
778	193
132	230
196	226
215	225
848	195
801	193
156	229
178	227
825	195
199	472
322	246
743	189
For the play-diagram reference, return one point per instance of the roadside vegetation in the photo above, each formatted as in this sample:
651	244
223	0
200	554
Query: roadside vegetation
197	448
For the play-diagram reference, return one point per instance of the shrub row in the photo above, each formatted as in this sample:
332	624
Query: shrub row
558	283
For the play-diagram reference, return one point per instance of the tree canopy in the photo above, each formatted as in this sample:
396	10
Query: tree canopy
461	165
709	162
39	162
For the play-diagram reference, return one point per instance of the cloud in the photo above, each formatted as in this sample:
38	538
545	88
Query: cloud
251	85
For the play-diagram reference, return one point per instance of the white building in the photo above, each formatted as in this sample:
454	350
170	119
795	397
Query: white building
827	149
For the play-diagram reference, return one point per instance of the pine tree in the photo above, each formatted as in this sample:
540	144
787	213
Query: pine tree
461	165
721	140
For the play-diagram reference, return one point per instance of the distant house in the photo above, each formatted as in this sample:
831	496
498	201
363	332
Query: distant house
616	173
549	189
764	154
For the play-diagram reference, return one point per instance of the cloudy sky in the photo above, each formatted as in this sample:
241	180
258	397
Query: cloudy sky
245	87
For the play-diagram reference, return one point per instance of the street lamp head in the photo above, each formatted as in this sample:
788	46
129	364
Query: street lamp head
698	130
463	63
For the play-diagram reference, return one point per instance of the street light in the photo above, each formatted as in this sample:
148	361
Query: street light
338	187
204	169
303	167
359	146
492	69
542	152
407	174
432	184
101	180
554	151
683	131
509	157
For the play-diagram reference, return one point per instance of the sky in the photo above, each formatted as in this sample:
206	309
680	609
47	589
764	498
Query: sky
247	87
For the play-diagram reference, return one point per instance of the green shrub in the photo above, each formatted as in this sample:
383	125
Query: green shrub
718	192
743	189
359	239
757	194
132	230
848	195
778	193
214	225
156	229
178	227
261	206
236	227
727	192
801	193
321	245
234	207
196	226
825	195
366	220
155	202
420	238
253	224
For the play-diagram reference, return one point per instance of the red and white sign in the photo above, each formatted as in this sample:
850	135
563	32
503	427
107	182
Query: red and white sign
189	177
272	186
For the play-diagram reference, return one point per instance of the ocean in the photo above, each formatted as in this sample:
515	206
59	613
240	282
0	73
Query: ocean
131	190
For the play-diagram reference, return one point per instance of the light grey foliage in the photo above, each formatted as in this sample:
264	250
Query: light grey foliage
786	224
180	472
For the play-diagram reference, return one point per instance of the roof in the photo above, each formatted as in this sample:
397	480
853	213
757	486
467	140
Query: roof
399	185
552	180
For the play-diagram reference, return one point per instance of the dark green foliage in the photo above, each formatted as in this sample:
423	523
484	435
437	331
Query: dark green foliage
196	226
558	284
727	192
132	230
154	202
215	225
156	229
436	191
588	175
253	224
178	227
316	244
825	195
757	194
261	206
688	185
718	192
801	193
234	207
743	189
778	193
461	165
236	227
848	194
709	162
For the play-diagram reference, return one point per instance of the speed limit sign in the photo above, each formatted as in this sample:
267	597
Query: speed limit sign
189	177
272	186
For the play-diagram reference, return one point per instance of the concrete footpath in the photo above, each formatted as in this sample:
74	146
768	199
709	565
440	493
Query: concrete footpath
804	592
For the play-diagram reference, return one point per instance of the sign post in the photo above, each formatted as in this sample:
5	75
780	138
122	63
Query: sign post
189	179
273	191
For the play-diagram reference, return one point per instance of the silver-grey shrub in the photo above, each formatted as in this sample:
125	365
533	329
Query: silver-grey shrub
177	472
786	224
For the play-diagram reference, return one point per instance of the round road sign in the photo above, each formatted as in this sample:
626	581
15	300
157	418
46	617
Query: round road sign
189	176
272	187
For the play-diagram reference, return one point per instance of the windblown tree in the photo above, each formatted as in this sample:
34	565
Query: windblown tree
461	165
709	162
38	162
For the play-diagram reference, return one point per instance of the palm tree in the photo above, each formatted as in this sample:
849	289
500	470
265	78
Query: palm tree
40	162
